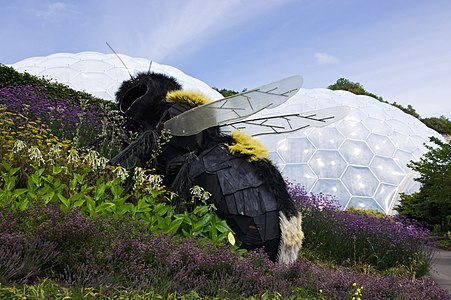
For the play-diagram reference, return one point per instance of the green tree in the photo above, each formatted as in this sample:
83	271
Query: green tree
441	125
225	92
356	88
353	87
432	204
408	110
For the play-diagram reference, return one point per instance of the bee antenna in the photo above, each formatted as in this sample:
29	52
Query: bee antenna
117	55
150	66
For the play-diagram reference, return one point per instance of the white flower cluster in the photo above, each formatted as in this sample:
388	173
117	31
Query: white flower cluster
19	146
94	159
36	155
150	180
91	158
73	157
165	137
96	162
120	172
54	152
198	193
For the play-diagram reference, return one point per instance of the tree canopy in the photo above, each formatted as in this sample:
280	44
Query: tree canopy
353	87
226	92
441	125
432	204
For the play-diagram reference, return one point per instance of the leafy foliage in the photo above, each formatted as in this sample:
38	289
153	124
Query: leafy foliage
353	87
225	92
432	204
87	184
441	125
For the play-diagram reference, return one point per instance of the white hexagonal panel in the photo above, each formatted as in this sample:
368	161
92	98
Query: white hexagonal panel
386	170
356	152
402	158
360	181
296	150
103	80
375	139
300	174
403	142
378	126
401	126
381	144
353	129
328	164
384	195
328	138
64	74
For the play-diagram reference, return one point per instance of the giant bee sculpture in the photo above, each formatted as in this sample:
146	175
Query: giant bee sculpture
246	188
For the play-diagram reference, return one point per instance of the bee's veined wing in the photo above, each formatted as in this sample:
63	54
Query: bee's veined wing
290	122
234	108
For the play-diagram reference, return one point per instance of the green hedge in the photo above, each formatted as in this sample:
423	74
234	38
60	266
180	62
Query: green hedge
10	77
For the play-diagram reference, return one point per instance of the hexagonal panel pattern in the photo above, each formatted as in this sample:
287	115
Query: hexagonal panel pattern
353	129
376	140
361	160
101	74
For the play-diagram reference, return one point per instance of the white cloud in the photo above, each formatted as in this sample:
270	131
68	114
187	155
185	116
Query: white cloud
55	10
324	58
170	28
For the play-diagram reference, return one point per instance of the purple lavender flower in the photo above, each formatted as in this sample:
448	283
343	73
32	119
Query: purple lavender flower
63	116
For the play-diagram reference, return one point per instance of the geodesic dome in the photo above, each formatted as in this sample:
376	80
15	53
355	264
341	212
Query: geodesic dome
361	160
101	74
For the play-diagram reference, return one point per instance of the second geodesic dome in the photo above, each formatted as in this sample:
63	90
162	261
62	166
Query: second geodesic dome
361	159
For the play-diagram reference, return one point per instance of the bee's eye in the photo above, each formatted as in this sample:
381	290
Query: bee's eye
132	95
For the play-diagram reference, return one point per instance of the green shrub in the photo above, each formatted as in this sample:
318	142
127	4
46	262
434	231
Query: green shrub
10	77
52	172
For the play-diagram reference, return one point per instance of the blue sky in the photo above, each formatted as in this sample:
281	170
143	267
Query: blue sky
397	49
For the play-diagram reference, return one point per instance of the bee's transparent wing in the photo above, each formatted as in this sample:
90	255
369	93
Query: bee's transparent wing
289	122
234	108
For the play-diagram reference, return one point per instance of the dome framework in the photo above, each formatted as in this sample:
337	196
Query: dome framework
362	159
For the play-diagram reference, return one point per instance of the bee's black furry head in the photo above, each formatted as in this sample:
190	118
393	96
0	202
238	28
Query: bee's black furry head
143	97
